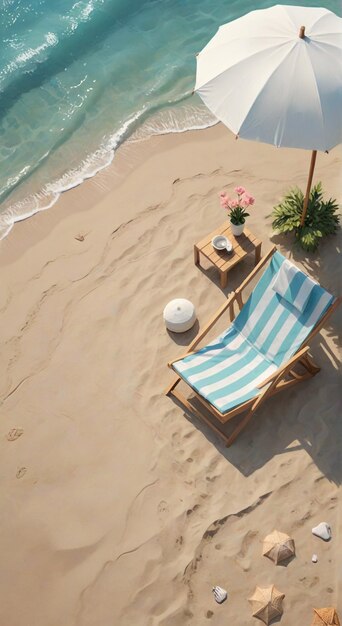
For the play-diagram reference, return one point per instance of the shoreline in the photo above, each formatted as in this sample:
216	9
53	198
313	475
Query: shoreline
164	122
93	191
127	509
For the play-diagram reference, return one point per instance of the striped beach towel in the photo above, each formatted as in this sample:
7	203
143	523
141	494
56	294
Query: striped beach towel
279	314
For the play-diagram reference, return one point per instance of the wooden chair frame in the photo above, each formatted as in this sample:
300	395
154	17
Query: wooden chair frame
286	376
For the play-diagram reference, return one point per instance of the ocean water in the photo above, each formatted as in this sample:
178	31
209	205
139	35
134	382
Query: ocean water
79	78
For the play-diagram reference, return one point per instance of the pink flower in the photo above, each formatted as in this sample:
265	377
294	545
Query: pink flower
243	201
249	199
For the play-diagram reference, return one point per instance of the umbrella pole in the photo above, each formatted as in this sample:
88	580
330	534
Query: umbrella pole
308	187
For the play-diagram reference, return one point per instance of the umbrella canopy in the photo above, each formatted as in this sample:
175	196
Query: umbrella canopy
278	546
325	617
269	81
267	603
275	75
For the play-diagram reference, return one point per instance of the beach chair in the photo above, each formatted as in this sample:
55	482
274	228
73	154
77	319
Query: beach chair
263	351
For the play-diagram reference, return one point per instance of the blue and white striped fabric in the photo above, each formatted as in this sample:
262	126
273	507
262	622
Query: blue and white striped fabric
265	334
286	285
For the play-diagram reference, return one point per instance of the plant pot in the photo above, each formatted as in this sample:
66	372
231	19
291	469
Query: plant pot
237	229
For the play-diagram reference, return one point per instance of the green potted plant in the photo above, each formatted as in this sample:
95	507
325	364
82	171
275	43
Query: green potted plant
320	220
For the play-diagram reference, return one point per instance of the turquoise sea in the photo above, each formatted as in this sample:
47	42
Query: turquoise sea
79	78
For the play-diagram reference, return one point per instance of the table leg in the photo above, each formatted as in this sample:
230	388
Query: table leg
257	254
223	279
196	255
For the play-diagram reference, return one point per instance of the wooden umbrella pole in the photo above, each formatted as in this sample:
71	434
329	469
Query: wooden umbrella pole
308	187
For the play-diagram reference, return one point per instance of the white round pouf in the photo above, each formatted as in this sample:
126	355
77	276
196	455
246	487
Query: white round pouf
179	315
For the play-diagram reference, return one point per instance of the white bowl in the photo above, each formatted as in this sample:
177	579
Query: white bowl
220	242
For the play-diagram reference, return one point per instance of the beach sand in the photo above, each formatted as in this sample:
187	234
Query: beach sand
117	509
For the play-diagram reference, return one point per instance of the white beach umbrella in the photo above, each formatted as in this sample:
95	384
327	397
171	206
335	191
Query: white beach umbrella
275	75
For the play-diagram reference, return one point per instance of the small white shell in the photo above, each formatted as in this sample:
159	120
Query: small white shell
314	558
220	594
229	246
323	531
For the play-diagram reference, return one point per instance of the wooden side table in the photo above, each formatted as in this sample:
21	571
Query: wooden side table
224	261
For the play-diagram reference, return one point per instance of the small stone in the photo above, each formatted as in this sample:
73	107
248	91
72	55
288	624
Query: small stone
323	531
79	237
314	558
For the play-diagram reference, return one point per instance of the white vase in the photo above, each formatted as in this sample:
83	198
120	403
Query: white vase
237	229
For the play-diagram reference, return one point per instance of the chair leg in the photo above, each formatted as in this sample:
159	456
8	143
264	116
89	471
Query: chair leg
300	377
171	387
243	423
310	365
193	410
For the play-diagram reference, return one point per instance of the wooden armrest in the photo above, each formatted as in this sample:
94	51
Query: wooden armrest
206	328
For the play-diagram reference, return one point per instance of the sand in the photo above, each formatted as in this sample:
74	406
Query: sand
117	509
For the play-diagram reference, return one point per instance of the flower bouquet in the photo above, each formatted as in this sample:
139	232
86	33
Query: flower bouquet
236	208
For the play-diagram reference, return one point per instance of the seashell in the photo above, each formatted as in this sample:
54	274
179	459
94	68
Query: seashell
220	594
229	246
314	558
323	531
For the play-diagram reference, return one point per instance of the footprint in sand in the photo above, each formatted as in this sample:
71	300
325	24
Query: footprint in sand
179	542
14	434
189	434
194	508
175	439
21	472
309	582
211	479
163	510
